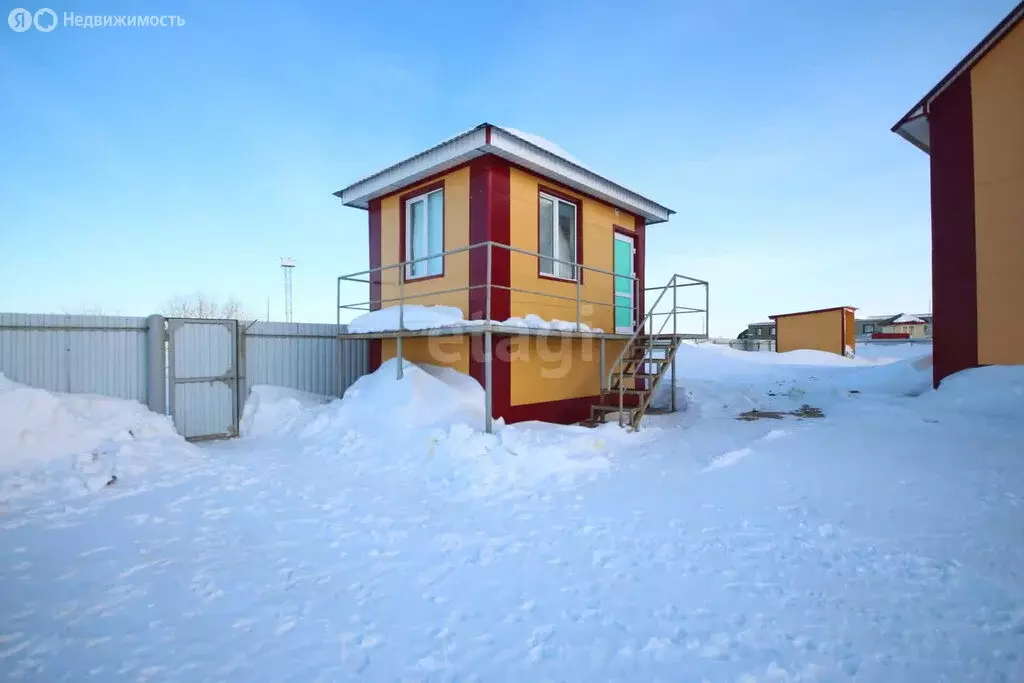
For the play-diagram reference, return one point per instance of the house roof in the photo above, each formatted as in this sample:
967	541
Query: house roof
913	127
817	310
526	150
907	319
901	318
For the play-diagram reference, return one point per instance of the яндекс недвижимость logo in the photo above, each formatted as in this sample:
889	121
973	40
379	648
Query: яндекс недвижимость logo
21	20
45	20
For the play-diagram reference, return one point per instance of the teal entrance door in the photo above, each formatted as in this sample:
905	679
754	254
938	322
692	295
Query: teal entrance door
624	289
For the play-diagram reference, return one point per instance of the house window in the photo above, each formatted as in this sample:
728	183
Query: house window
869	329
773	332
558	219
424	235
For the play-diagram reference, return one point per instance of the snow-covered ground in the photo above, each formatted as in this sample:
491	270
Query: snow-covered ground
55	447
892	350
382	537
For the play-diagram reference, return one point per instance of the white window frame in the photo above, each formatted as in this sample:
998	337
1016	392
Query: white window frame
554	241
408	234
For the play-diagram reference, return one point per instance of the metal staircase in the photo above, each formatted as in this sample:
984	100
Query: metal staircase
645	359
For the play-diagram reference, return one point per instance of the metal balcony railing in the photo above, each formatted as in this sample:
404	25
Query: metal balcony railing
402	283
488	286
650	328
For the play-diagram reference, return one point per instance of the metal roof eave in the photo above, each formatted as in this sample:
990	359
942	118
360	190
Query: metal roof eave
441	157
489	139
915	130
970	59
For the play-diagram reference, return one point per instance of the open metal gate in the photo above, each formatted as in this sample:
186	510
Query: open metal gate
203	387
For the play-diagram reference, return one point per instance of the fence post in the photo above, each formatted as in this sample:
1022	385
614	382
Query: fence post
156	364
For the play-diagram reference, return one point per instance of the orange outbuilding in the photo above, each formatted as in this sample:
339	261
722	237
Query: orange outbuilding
825	329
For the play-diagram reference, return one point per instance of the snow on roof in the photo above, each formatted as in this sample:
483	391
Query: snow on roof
524	149
907	319
544	144
922	317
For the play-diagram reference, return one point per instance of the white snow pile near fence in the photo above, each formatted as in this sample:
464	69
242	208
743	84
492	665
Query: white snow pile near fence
59	446
892	351
714	361
272	410
419	317
430	424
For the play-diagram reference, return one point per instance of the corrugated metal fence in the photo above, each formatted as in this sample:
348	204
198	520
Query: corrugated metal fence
110	355
305	356
77	354
743	344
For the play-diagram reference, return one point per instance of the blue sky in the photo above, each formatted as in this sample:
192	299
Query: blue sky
142	163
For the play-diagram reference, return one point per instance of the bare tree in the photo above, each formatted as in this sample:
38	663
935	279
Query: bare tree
83	310
199	305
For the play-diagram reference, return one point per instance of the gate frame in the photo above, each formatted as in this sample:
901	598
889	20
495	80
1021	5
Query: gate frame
234	374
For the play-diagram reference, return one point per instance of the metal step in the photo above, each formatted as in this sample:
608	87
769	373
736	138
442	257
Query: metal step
645	359
626	392
611	409
600	413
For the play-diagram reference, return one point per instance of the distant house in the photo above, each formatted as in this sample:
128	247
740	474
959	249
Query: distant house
758	331
824	329
915	326
971	124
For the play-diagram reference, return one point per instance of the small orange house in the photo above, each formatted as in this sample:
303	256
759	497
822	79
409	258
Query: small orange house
971	124
826	329
508	225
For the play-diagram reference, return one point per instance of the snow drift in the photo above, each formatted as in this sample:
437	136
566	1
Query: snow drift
994	391
272	410
429	425
426	395
56	446
720	380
